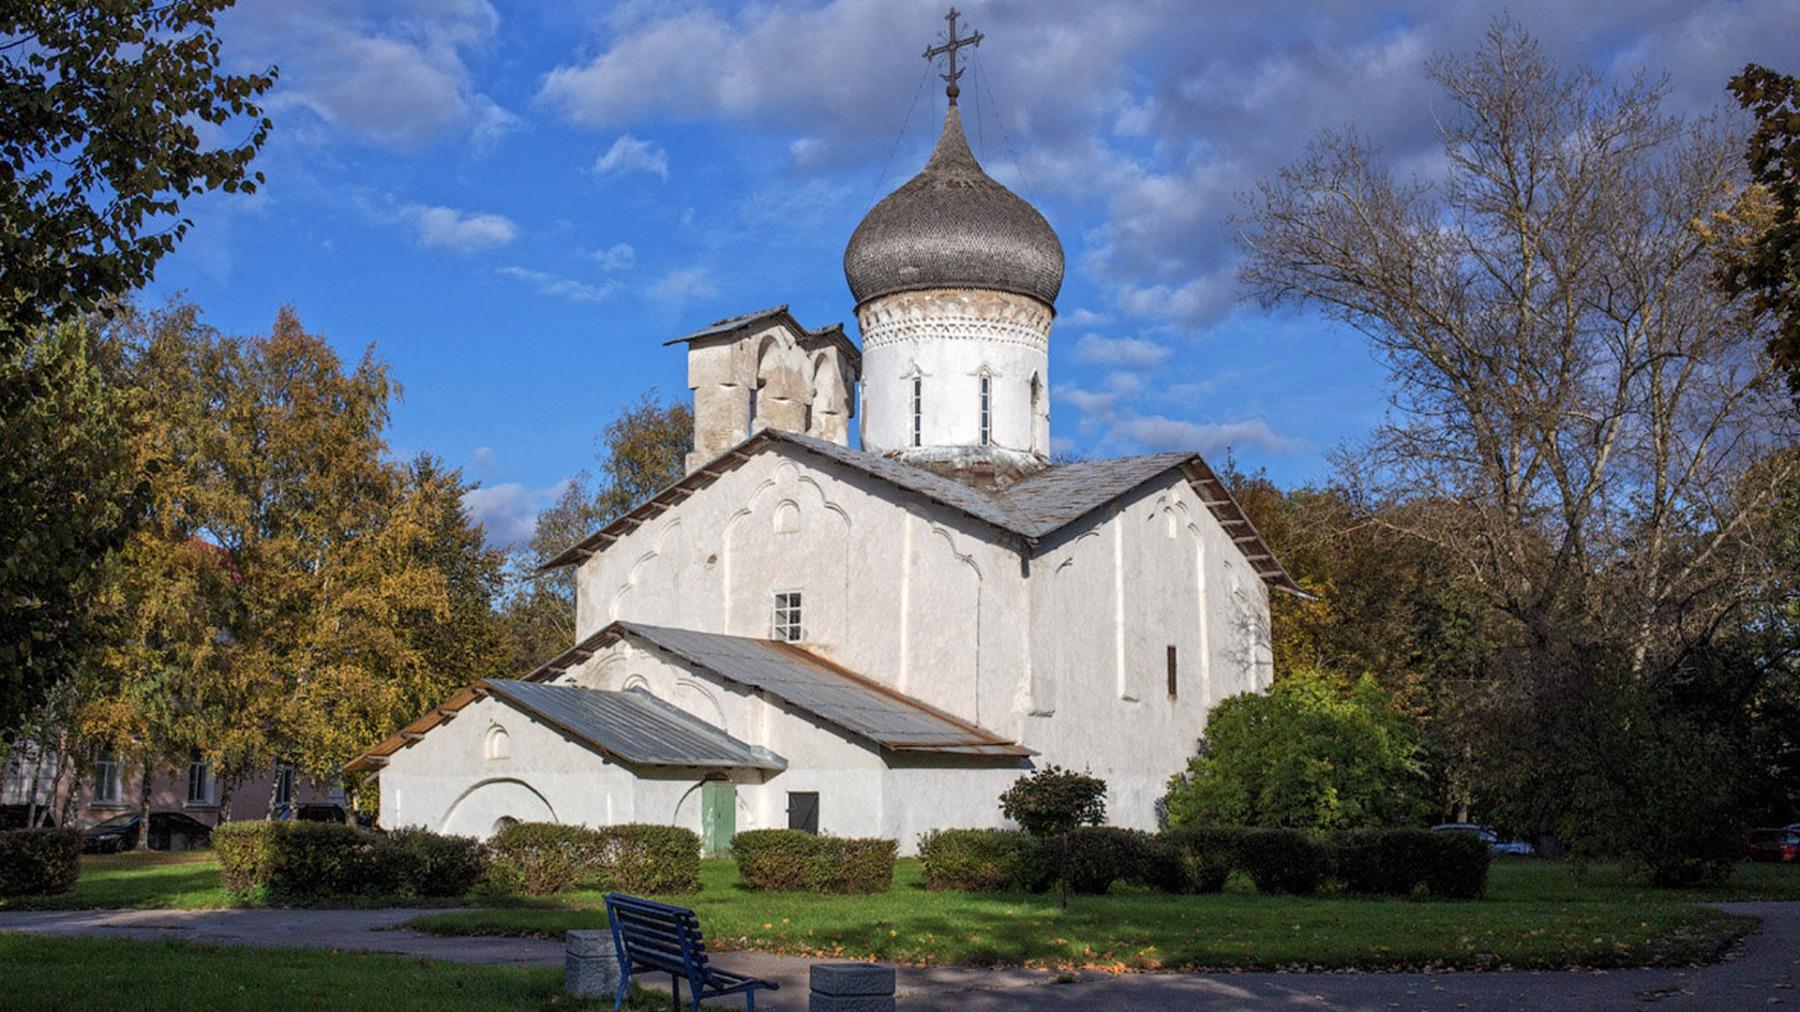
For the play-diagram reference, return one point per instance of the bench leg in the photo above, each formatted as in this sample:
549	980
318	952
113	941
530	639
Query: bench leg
750	1000
675	986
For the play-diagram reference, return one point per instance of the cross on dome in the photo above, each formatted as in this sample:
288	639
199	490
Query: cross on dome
948	50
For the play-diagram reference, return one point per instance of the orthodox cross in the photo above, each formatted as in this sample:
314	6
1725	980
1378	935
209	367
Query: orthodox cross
949	49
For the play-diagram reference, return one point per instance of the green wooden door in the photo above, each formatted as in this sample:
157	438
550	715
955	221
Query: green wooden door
718	817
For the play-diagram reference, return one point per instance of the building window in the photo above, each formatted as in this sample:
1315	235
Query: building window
786	626
284	784
499	744
918	410
1172	682
200	780
109	775
803	811
987	408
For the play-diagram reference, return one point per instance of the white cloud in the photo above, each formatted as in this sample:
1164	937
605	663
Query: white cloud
1128	352
557	286
1160	433
1081	317
482	461
683	285
618	257
461	232
390	74
508	512
630	154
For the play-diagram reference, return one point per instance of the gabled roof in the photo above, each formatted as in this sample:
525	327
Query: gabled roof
833	333
1032	509
805	681
633	726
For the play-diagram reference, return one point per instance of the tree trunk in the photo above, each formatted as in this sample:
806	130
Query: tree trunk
143	830
274	789
224	814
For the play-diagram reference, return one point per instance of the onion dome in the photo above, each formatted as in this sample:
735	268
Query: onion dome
952	226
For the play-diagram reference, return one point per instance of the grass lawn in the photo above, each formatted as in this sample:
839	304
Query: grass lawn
1534	916
101	974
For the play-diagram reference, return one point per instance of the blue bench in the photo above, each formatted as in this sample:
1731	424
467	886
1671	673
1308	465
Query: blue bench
657	937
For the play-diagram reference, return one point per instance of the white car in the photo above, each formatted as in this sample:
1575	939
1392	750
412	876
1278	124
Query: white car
1497	846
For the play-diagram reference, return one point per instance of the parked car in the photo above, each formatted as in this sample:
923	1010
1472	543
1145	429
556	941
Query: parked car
1779	846
168	831
1489	836
19	817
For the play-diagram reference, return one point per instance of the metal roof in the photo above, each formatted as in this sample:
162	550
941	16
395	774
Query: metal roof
826	690
1033	508
953	226
633	725
833	333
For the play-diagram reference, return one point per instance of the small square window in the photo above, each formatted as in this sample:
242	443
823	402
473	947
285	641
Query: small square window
1173	685
787	625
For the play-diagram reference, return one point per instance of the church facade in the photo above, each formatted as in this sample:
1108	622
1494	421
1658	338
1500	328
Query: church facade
872	641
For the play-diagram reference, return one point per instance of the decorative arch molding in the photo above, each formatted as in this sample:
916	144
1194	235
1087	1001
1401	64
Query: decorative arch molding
707	696
665	545
635	681
451	812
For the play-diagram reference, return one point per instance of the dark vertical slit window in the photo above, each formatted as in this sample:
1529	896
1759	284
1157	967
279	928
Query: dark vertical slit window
987	408
1172	683
918	410
803	811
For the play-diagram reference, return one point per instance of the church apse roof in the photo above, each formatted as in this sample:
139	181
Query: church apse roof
1032	509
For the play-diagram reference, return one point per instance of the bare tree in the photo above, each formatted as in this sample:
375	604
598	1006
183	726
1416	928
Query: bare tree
1599	422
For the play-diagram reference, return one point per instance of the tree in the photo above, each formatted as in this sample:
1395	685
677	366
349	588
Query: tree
1311	753
1583	402
641	452
1767	263
69	490
102	108
1051	803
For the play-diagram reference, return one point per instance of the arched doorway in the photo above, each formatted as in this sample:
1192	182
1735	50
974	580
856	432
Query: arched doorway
485	809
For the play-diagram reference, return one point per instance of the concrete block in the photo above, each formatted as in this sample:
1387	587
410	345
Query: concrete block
590	964
852	979
851	1003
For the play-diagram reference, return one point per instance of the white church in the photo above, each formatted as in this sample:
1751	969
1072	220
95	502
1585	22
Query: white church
873	640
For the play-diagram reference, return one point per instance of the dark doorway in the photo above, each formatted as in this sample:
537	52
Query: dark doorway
803	811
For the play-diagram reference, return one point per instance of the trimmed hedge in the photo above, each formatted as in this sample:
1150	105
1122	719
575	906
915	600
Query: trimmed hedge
792	860
1457	866
1284	861
1207	855
39	862
246	853
1102	855
540	858
986	861
1381	862
317	860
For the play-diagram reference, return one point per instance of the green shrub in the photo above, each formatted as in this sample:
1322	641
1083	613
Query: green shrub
1102	855
1308	753
986	861
246	854
39	862
642	858
1457	865
1284	861
540	858
1207	855
791	860
1383	862
427	864
318	859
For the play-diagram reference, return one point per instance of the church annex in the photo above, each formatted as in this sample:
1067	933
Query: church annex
872	641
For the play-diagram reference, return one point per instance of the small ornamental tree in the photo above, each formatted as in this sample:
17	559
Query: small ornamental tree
1050	804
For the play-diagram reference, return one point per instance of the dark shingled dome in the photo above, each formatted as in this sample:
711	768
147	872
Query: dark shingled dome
951	226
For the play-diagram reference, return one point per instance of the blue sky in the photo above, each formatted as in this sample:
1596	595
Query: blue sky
518	202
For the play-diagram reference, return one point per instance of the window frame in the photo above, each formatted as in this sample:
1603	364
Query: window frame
986	380
284	783
209	794
787	616
109	777
918	409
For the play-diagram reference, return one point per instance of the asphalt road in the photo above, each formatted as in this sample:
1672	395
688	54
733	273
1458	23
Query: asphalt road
1763	973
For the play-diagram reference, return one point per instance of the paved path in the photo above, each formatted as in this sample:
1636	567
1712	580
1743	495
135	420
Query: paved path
1764	973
